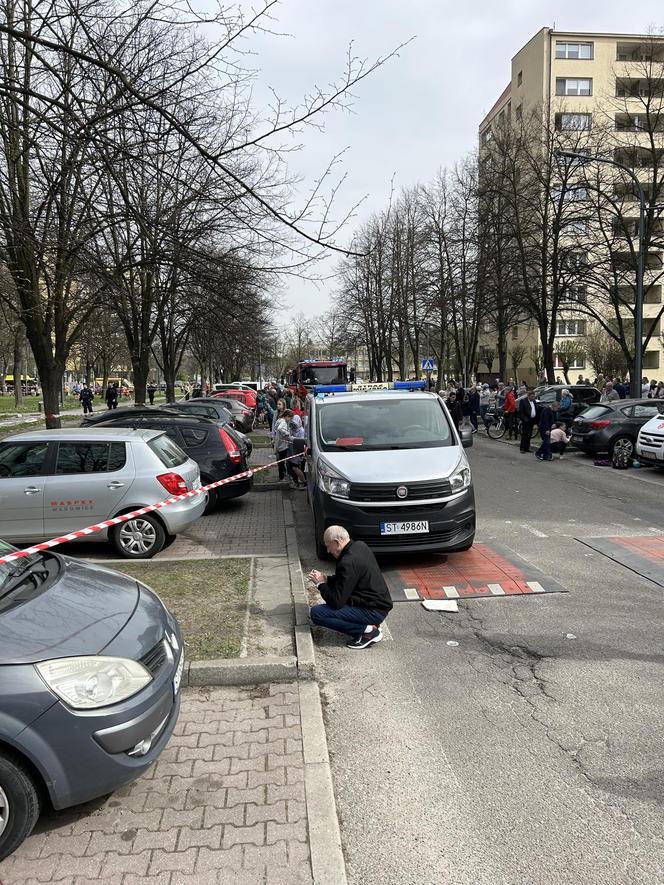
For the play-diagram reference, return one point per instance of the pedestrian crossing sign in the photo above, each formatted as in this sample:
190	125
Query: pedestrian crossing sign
428	364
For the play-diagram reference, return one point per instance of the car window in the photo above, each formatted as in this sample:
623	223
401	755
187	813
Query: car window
117	457
205	411
589	394
548	396
193	436
593	412
82	457
389	423
169	453
22	459
646	410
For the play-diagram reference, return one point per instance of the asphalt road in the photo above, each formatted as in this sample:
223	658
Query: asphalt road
531	752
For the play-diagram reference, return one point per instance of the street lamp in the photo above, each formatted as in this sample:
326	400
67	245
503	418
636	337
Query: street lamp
640	262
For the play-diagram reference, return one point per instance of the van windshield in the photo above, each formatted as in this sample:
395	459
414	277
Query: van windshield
389	423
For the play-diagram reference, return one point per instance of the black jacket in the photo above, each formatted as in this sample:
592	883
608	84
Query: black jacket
456	412
546	421
525	409
357	581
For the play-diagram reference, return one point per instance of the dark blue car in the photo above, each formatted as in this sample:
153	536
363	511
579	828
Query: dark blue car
90	670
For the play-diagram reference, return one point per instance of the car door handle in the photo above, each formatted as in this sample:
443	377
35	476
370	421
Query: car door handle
115	485
31	490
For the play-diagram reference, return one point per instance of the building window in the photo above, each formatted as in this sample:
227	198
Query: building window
573	50
571	194
515	333
571	327
487	135
519	78
568	86
651	359
577	228
573	122
519	111
577	363
575	293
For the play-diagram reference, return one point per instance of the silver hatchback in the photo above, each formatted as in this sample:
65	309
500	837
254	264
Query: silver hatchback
53	482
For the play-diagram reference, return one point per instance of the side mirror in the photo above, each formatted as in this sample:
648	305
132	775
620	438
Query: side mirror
466	434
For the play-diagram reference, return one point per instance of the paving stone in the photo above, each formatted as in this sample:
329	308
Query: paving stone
137	864
276	832
276	812
261	856
243	835
209	859
166	861
209	837
234	815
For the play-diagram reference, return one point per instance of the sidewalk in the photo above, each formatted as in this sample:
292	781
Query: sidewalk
243	793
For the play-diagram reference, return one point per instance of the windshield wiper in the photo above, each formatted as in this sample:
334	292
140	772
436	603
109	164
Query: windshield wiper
17	577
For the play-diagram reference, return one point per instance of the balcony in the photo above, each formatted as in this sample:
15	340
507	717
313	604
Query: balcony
639	158
649	52
627	294
643	88
642	123
625	261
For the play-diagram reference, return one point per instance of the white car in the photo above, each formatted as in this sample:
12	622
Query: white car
650	442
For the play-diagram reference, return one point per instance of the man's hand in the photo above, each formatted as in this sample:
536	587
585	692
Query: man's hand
316	577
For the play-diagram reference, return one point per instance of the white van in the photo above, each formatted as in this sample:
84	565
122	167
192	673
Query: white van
650	442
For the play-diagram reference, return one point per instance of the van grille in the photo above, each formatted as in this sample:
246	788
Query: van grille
155	659
653	440
417	491
378	543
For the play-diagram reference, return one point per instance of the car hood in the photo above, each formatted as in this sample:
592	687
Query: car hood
395	465
79	614
654	425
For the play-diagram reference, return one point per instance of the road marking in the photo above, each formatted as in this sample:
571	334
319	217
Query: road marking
535	586
411	593
496	589
451	592
533	531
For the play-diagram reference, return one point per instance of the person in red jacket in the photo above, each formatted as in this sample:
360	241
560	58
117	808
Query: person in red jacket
510	414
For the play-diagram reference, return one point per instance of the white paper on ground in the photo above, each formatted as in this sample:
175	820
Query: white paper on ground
440	605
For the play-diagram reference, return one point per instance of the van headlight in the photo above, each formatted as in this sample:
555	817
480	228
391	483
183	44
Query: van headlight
460	479
85	683
332	483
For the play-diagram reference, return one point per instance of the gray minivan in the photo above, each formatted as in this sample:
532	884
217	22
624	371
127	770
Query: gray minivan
389	465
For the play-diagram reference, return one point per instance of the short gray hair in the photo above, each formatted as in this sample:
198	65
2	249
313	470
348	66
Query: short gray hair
336	533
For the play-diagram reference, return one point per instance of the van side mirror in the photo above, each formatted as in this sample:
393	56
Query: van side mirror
466	434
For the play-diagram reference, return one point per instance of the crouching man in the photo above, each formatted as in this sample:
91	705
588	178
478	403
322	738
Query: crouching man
356	597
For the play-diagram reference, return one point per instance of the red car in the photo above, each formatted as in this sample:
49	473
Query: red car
246	397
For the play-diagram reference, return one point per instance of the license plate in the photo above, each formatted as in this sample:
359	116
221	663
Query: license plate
404	528
178	675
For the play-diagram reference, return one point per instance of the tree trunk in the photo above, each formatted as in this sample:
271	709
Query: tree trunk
19	338
141	369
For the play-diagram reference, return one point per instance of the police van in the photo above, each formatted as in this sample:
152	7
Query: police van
386	462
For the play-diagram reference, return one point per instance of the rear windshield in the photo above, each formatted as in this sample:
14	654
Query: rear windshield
389	423
169	453
593	412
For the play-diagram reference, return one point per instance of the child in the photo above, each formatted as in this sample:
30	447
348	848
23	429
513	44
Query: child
559	439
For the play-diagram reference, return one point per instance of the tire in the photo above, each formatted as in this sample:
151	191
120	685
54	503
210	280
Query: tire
321	550
213	497
496	429
622	443
151	541
169	540
20	803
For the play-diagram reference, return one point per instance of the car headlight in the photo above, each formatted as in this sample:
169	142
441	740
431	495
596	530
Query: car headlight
332	483
86	683
460	479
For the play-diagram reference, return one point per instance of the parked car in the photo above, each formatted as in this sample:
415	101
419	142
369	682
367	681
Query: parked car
57	481
390	466
582	396
110	416
611	427
212	445
211	408
90	670
246	397
244	417
650	441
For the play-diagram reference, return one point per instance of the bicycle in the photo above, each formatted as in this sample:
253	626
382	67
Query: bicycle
494	421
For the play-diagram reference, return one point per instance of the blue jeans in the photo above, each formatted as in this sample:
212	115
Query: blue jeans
545	449
349	619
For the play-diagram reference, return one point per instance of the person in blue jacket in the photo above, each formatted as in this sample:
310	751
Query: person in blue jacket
546	422
565	408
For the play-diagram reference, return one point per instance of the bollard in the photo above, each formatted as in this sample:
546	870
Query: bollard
40	405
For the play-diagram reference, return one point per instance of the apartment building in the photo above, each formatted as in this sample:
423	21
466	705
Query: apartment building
589	80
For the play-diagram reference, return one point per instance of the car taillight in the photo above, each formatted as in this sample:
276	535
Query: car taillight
173	483
233	452
246	413
598	425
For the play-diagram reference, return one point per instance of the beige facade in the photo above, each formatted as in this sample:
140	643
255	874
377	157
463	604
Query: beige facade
594	80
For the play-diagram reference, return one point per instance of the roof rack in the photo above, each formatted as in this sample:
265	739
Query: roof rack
378	385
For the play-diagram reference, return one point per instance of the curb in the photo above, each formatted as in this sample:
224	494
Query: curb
327	859
248	671
304	644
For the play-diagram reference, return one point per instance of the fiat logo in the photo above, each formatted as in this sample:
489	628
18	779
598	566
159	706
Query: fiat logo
402	492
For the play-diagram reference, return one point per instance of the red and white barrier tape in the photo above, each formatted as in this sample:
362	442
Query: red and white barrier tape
100	526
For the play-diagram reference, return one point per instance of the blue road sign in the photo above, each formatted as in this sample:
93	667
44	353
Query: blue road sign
429	364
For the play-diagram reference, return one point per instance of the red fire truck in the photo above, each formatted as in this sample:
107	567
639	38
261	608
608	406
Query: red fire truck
308	373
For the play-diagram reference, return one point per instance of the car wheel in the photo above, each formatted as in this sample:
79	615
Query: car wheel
169	540
20	804
139	538
622	444
321	549
213	497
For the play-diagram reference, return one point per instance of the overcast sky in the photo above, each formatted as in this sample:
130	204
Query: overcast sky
422	109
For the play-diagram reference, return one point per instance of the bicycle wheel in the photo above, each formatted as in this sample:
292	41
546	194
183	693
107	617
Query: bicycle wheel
496	429
534	432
